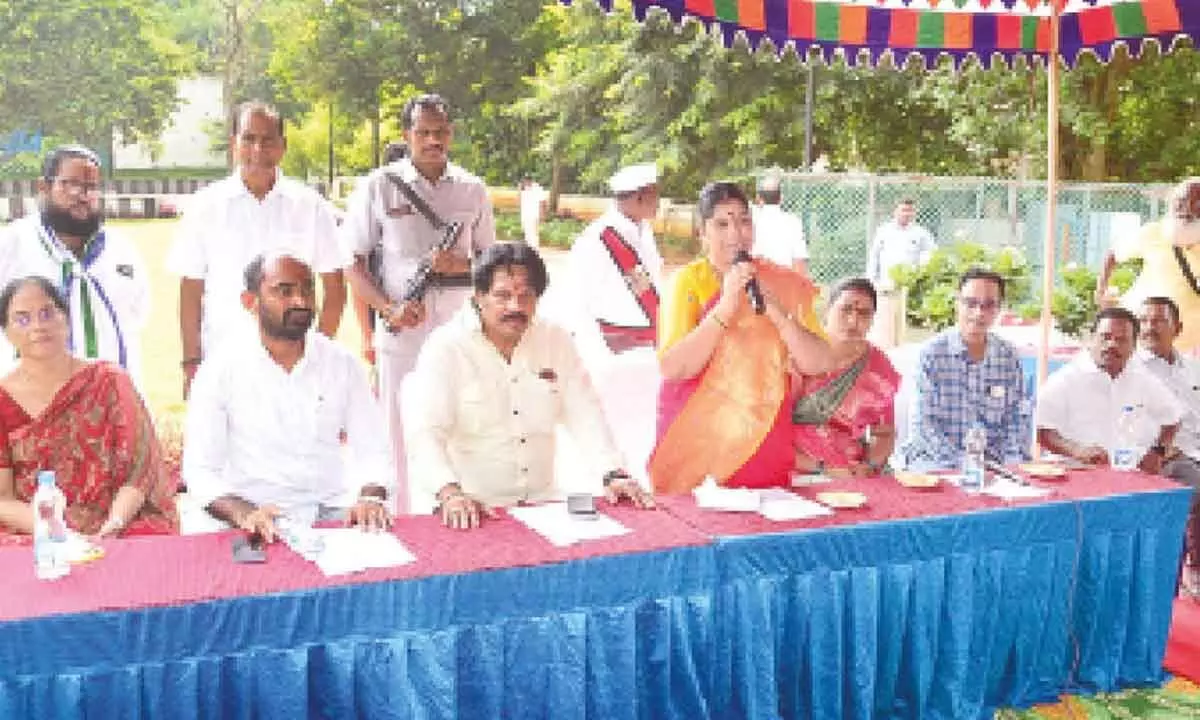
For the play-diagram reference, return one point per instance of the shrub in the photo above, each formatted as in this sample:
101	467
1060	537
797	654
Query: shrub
932	287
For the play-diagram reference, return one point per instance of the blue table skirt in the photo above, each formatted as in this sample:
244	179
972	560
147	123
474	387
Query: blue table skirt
948	617
626	636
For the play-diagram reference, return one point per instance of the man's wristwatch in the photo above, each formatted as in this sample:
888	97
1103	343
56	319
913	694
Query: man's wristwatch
615	475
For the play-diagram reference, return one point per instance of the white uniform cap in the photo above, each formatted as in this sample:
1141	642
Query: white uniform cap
633	178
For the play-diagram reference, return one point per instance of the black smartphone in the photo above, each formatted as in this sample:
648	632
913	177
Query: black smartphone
249	549
581	505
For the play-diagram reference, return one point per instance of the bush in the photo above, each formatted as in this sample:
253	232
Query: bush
556	232
1074	302
932	288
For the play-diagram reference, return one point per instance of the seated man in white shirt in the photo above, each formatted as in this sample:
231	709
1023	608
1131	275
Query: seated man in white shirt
266	420
1161	325
1079	407
488	392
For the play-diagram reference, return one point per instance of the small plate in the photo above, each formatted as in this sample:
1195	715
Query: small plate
918	481
842	499
1044	471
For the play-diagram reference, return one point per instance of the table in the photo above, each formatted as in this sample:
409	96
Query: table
922	605
888	612
495	623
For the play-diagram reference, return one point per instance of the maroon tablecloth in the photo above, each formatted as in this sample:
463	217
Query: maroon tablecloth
888	500
173	570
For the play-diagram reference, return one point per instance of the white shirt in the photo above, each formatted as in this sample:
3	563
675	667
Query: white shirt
531	203
377	213
225	227
894	245
1082	402
471	417
1182	378
778	236
267	435
118	288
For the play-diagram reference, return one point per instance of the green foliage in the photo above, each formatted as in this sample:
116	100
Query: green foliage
556	232
1073	304
932	288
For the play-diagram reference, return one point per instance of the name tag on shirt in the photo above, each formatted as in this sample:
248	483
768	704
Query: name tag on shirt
997	392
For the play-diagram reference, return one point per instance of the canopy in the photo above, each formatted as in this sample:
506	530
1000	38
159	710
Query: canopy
985	29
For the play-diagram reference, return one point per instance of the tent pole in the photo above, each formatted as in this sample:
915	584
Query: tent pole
1048	243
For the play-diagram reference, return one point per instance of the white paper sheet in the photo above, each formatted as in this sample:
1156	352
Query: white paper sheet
711	496
779	505
553	522
1009	490
349	550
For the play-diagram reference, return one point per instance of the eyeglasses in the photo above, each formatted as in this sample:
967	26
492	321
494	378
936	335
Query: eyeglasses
78	187
977	304
44	315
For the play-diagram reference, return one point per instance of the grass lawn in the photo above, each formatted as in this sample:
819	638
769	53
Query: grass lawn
163	379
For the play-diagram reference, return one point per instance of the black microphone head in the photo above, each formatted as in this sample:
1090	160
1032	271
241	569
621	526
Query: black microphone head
742	256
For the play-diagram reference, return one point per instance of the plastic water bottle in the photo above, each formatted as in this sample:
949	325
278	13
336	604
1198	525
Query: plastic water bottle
974	450
49	529
1123	455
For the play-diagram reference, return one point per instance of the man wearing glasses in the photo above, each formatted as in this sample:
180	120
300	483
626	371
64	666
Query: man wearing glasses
255	210
100	272
967	377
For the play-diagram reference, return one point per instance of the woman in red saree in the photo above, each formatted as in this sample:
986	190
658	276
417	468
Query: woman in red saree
724	407
844	418
83	420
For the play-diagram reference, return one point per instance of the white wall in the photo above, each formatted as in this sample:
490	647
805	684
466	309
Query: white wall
184	141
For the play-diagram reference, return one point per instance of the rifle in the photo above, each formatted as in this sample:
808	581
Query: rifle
416	286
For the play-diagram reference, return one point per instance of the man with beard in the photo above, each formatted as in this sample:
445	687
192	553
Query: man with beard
1170	254
100	272
254	210
266	420
970	377
1080	405
1161	324
488	393
379	217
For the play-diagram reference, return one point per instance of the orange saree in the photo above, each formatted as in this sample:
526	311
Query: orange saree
733	421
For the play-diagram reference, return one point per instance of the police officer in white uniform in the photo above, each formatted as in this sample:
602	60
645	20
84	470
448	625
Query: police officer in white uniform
380	219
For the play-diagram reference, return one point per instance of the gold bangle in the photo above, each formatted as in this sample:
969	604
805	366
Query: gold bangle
719	321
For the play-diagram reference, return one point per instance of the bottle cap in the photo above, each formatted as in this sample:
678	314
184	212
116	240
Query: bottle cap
1127	408
46	477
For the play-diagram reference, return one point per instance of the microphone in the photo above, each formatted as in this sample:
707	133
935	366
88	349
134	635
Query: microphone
752	289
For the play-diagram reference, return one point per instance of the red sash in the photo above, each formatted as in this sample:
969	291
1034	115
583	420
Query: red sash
628	262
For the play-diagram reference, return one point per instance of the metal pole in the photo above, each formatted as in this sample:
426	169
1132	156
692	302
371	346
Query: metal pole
329	188
1052	91
809	102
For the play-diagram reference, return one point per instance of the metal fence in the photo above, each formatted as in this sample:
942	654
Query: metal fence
841	213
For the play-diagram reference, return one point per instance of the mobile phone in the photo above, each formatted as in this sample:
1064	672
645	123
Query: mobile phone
581	505
249	549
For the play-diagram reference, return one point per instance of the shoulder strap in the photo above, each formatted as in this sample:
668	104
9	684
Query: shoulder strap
629	263
1186	268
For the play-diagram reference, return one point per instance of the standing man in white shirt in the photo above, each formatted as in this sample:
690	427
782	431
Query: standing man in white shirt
253	211
266	418
778	234
1079	407
380	218
615	270
533	208
900	241
99	271
490	388
1161	325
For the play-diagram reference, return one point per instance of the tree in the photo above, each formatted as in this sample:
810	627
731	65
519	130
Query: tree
84	69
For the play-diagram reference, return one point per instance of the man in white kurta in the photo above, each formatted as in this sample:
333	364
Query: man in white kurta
253	211
490	389
609	300
778	234
99	270
379	216
1079	407
285	423
900	242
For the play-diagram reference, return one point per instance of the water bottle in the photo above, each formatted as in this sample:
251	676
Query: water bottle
49	529
974	450
1123	455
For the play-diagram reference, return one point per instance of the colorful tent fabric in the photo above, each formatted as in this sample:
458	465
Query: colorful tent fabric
985	29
